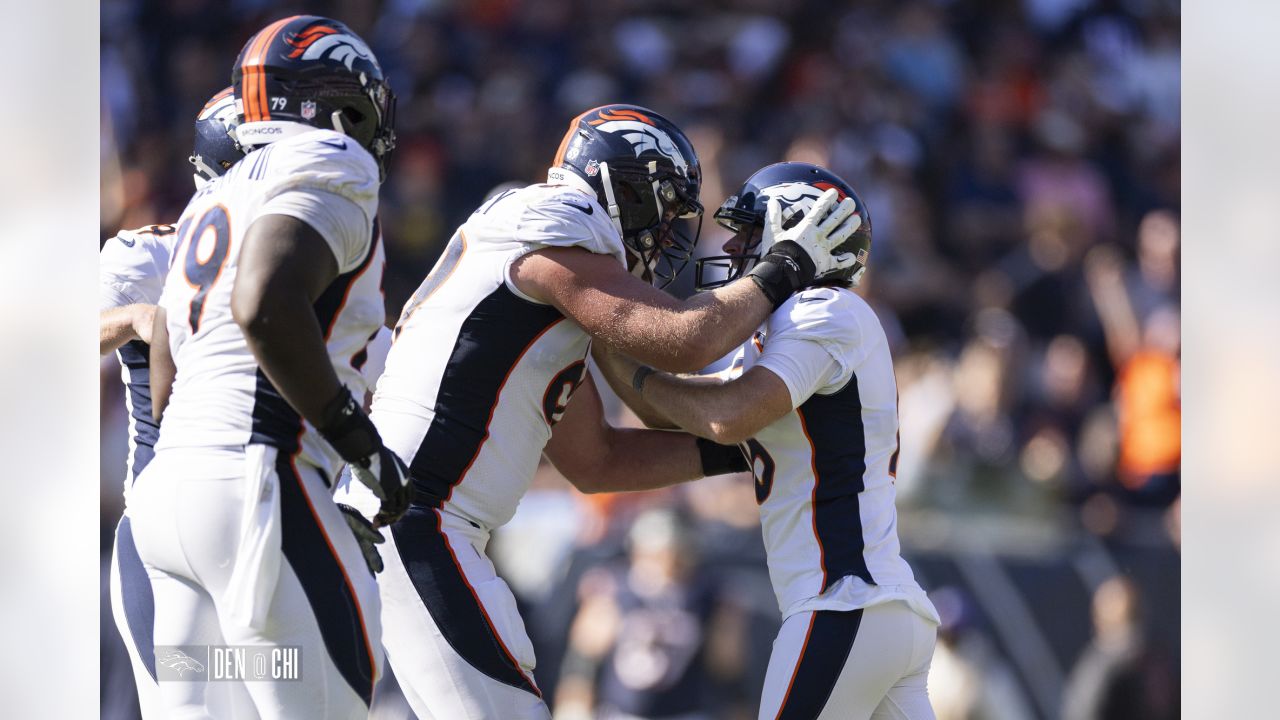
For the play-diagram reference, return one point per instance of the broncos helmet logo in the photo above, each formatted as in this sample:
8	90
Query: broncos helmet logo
798	197
643	135
181	662
322	41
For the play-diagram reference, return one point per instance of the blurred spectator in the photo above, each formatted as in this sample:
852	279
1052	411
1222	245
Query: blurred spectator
968	680
638	646
1120	676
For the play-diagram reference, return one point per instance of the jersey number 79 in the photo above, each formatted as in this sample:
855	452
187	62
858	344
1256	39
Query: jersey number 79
203	259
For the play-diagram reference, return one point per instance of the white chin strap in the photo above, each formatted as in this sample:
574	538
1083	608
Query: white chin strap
614	213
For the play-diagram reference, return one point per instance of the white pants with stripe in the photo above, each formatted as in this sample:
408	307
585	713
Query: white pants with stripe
851	665
453	634
202	516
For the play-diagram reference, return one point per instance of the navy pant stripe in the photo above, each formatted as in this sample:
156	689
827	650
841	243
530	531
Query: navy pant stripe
449	598
325	583
825	652
136	596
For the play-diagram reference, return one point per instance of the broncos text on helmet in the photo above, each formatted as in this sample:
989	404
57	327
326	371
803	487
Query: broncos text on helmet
645	172
215	148
796	185
310	71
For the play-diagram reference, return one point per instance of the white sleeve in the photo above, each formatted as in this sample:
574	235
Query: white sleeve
326	180
132	268
341	222
814	342
569	219
804	365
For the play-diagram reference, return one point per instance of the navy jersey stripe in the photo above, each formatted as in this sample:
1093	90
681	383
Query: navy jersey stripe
136	596
453	604
833	424
274	422
826	649
491	341
330	303
324	581
135	357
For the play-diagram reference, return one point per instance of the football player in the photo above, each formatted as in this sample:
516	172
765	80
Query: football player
131	272
488	371
258	342
812	402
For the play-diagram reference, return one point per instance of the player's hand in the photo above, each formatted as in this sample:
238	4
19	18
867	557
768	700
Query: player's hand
388	477
353	435
804	253
825	227
366	535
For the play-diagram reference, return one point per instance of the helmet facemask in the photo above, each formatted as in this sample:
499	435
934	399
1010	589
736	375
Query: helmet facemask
658	215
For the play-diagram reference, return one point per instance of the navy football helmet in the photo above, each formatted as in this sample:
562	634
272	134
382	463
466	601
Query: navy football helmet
644	171
796	185
215	148
313	71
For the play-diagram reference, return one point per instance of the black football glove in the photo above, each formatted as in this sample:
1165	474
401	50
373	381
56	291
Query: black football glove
352	434
368	537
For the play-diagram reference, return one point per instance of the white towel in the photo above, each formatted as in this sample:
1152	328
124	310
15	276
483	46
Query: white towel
257	567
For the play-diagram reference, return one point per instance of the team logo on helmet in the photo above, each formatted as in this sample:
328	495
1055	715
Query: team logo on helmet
322	41
799	196
637	129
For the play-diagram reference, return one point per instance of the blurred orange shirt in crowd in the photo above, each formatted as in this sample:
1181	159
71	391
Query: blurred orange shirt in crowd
1149	406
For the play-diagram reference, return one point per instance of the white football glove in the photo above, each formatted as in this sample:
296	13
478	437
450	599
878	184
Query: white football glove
828	224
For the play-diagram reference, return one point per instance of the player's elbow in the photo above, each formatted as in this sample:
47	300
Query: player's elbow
248	309
727	432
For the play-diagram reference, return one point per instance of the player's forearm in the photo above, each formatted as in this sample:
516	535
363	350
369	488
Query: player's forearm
284	336
703	406
697	331
643	460
611	364
119	325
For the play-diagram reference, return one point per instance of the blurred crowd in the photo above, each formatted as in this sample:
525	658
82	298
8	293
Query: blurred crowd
1021	163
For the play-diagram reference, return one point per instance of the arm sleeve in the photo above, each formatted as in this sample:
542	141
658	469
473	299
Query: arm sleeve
131	269
805	366
814	342
341	222
327	181
561	220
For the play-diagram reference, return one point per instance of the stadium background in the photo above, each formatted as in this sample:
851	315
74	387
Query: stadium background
1021	161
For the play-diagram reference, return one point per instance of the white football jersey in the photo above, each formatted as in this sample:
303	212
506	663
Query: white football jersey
131	271
220	395
825	471
479	372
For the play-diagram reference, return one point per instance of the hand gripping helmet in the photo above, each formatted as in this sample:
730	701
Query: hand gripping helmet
215	149
644	171
312	71
796	185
